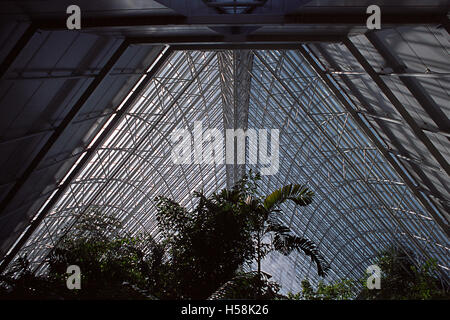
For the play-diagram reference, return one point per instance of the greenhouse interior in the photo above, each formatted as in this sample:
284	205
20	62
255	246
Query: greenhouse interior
216	149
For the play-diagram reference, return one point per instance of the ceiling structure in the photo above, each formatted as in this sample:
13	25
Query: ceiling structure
86	118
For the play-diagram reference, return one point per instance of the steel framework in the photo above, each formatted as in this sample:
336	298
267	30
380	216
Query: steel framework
362	116
361	204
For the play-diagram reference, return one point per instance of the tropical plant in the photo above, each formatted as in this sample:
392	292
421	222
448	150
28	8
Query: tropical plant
208	245
403	277
205	245
250	286
269	232
406	277
344	289
197	252
112	266
20	282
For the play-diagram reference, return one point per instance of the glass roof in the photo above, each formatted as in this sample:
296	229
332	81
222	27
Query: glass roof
361	205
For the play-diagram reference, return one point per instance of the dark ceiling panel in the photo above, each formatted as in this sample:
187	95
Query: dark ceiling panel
34	102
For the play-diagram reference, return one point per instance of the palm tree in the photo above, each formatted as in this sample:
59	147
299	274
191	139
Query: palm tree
268	224
264	213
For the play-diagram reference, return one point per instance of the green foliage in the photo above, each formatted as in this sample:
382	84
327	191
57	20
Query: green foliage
338	290
249	286
26	285
401	279
299	194
112	267
206	245
268	234
106	266
264	212
198	250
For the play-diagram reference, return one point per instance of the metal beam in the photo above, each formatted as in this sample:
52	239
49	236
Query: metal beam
350	163
393	140
387	118
417	91
222	41
357	193
130	102
395	74
235	46
11	57
62	126
398	106
30	135
235	85
368	131
446	25
226	20
89	152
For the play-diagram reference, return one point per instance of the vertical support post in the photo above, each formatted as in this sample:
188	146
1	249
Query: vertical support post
235	84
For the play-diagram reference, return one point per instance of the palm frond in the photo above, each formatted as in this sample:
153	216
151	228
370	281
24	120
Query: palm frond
242	284
277	228
300	194
285	244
